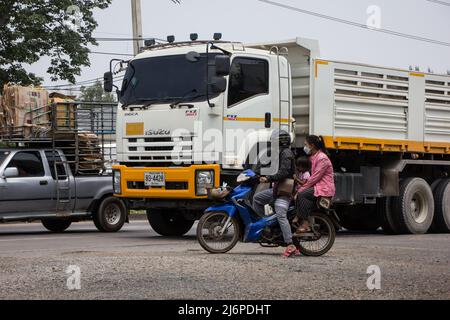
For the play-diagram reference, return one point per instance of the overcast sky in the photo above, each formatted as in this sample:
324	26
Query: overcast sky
252	21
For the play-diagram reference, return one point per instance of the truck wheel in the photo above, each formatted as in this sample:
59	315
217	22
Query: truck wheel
360	218
441	221
168	223
384	207
56	225
111	215
413	209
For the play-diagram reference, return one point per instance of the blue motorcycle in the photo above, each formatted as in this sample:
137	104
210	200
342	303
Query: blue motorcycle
233	220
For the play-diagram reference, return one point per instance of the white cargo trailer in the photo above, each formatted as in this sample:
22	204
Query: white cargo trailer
387	130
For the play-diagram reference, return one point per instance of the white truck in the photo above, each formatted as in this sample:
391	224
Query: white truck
387	130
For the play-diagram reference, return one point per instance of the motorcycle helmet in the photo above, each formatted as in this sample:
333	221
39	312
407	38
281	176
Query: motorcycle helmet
282	137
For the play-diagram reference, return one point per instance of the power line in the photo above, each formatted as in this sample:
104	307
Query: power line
356	24
113	33
443	3
90	81
113	53
128	39
78	84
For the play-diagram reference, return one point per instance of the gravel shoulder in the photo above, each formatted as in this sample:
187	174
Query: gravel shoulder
138	264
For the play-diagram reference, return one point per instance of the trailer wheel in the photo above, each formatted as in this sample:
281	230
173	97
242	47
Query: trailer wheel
170	223
111	215
441	221
56	225
413	209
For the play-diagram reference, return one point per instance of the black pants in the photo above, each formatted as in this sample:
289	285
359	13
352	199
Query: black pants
305	204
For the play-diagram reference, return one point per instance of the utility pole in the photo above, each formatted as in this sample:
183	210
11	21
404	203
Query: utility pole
137	24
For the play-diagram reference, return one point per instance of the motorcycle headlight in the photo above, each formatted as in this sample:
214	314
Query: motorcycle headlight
116	182
204	180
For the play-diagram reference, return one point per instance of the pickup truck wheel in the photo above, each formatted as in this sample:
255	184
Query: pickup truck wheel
441	221
55	225
170	223
111	215
413	209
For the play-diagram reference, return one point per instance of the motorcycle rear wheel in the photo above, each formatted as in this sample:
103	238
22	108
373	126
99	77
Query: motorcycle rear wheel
324	226
209	236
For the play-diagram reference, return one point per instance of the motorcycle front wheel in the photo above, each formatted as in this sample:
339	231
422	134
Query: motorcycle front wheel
217	232
323	239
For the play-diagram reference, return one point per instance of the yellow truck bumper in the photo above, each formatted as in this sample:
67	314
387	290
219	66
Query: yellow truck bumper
180	182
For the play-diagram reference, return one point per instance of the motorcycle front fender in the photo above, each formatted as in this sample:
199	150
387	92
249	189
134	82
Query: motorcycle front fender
227	208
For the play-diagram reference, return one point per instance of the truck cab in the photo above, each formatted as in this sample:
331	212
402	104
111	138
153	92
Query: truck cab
191	115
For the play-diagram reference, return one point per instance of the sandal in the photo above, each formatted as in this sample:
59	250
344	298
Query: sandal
289	252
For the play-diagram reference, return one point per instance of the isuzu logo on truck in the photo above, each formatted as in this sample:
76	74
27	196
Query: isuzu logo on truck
157	132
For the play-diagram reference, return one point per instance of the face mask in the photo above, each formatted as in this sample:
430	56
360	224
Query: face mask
307	150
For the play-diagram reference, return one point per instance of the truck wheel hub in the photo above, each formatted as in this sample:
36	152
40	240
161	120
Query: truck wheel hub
112	214
419	208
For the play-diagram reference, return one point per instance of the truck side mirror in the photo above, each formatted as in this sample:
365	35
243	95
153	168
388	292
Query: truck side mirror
108	81
11	173
218	85
222	63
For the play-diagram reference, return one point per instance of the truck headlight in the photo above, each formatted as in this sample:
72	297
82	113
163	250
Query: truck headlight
116	182
204	180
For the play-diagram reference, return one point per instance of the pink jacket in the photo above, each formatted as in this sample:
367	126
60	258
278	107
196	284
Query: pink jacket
322	176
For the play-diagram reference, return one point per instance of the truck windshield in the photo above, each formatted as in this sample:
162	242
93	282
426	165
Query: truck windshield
165	79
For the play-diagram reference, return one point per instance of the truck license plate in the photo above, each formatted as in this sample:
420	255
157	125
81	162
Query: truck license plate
155	179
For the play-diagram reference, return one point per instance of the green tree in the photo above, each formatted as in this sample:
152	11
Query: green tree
96	93
59	29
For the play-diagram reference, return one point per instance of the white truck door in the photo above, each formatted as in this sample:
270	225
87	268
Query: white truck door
249	106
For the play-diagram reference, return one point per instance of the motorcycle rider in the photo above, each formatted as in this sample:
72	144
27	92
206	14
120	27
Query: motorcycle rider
286	170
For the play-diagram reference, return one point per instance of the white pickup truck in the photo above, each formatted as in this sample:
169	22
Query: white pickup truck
34	187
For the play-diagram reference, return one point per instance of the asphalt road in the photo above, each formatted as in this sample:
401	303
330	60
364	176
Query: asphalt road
137	264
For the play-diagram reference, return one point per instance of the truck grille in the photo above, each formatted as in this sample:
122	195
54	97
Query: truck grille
159	149
170	185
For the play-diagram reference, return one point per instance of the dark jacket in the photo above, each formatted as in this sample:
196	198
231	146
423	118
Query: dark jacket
286	169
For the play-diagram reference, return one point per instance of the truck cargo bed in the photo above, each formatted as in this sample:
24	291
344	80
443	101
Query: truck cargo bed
362	107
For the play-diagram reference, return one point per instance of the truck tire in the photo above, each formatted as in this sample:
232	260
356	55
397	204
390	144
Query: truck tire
56	225
360	218
384	207
111	215
169	224
413	209
441	220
